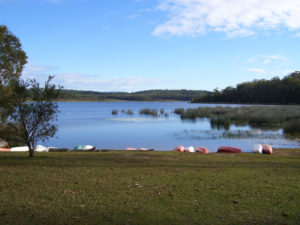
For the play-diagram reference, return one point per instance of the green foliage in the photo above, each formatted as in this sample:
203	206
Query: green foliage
274	91
12	60
34	119
151	95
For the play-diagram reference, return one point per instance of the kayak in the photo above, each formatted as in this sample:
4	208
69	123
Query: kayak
88	148
130	149
78	148
189	149
228	149
41	148
20	149
179	148
257	149
4	149
202	150
267	149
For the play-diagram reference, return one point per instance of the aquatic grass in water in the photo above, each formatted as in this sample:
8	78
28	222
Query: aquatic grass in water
256	116
147	111
129	112
292	127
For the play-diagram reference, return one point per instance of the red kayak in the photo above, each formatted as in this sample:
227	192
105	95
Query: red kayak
4	149
228	149
202	150
267	149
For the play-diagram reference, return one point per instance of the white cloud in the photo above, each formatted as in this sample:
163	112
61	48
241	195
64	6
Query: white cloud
257	70
31	69
133	16
95	83
232	17
91	82
267	59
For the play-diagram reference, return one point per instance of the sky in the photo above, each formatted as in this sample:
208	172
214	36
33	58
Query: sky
133	45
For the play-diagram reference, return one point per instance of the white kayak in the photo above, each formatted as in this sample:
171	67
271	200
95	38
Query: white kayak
20	149
257	148
88	147
189	149
41	148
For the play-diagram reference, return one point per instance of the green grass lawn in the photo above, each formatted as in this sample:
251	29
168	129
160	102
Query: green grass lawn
150	188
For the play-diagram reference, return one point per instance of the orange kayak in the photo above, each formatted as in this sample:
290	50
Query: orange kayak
130	149
4	149
202	150
179	148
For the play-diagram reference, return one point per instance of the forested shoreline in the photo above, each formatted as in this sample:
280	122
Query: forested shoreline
149	95
274	91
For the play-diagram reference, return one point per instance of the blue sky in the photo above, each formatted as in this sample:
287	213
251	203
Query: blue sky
131	45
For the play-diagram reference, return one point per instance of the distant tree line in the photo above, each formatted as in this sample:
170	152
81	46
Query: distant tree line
274	91
150	95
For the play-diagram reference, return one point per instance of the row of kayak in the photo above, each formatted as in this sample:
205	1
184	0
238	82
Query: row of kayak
263	149
40	148
258	148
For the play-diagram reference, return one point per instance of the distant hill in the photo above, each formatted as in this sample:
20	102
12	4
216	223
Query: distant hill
274	91
149	95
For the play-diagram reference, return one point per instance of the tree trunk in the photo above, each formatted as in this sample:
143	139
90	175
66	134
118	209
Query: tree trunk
31	150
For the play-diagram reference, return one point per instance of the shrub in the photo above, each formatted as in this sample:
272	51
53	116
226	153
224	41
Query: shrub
179	111
292	127
147	111
129	112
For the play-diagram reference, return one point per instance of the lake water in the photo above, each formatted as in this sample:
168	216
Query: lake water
93	123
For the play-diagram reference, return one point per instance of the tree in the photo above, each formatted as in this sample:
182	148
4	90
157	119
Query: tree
12	61
35	111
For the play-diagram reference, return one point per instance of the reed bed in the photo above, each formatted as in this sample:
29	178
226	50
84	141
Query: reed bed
286	117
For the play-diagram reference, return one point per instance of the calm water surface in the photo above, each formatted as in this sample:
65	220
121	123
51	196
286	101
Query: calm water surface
93	123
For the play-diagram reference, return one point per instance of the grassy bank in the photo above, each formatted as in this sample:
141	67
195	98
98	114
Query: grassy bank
150	188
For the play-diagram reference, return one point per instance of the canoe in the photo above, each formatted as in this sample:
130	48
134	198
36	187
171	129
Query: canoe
20	149
202	150
4	149
78	148
89	148
130	149
41	148
229	149
257	148
179	148
189	149
267	149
